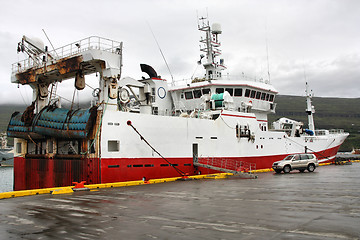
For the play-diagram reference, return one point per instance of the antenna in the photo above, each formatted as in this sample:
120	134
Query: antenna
267	51
50	42
304	73
157	43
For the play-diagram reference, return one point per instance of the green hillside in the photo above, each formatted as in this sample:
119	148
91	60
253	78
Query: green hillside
5	114
331	113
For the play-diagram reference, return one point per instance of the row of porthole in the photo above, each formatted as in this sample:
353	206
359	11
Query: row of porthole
270	138
148	165
261	146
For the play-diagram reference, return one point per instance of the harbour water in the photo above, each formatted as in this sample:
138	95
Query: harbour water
6	179
324	204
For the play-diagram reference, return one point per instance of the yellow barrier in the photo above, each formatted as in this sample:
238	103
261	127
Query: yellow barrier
68	189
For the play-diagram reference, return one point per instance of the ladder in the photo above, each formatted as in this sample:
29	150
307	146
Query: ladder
238	168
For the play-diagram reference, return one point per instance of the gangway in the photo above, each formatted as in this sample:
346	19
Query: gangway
238	168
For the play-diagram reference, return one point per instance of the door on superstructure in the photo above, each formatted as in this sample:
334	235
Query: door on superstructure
195	151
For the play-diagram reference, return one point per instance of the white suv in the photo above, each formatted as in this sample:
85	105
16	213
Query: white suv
301	162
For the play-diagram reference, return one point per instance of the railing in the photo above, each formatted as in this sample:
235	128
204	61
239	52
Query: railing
243	77
323	132
71	49
336	131
229	164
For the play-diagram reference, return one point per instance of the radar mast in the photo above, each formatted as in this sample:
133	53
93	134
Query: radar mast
210	45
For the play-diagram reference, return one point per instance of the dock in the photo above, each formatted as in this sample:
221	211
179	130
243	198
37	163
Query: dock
320	205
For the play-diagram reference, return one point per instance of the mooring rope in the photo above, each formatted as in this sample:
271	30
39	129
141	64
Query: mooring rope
142	138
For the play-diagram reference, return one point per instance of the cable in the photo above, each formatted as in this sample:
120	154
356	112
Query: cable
142	138
311	149
157	43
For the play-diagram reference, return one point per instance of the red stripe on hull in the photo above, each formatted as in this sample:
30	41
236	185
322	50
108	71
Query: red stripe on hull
42	173
130	169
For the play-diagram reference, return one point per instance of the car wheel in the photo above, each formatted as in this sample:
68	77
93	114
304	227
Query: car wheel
278	171
287	169
302	170
311	168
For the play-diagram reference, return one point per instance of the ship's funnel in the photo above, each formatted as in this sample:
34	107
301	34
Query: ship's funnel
149	70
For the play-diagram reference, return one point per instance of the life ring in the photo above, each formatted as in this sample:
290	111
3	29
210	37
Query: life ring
250	102
161	92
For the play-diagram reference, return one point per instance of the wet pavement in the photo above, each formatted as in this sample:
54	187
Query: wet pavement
320	205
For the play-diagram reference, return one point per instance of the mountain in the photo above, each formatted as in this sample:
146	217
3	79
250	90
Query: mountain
330	113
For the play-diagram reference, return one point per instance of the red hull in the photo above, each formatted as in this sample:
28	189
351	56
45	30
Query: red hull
33	173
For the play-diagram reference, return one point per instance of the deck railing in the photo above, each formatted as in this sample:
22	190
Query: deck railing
228	163
72	49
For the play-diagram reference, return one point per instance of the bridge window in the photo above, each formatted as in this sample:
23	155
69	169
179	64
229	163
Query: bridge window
238	92
197	93
263	95
230	90
258	95
267	97
253	94
206	91
271	98
219	90
188	95
247	93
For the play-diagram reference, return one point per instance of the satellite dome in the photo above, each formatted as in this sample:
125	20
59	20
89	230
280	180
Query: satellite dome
216	28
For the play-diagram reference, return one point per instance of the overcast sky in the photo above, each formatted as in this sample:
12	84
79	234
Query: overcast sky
316	40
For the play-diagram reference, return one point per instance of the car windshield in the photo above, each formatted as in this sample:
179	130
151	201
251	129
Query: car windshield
288	157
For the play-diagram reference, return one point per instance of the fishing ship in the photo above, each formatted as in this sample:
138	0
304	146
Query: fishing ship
141	129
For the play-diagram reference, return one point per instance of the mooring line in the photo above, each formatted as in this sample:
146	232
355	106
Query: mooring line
142	138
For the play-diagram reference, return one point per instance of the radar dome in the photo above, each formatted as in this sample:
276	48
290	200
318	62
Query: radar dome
216	28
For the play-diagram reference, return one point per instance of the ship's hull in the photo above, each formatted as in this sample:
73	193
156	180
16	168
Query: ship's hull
179	140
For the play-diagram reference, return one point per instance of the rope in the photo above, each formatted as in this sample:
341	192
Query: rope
142	138
311	149
226	123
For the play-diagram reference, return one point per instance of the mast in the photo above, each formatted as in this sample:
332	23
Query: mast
310	110
211	47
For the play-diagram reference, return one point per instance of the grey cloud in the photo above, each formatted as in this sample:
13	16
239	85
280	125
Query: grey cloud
320	36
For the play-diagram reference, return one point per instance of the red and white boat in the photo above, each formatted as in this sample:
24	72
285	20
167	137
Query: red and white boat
148	128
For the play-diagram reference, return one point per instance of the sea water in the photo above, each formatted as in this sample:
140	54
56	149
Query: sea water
6	179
